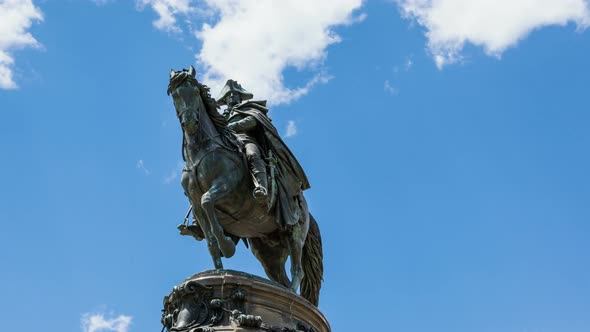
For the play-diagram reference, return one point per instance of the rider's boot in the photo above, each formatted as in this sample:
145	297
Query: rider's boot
260	179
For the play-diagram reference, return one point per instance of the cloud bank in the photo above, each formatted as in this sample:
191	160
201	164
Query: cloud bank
98	323
254	41
16	17
494	25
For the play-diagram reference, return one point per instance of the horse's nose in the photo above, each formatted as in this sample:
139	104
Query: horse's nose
182	113
187	117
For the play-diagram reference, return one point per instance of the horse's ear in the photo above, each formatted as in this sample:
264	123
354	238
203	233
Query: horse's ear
192	71
172	73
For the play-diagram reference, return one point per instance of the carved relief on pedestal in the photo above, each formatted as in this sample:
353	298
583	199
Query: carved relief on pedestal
225	300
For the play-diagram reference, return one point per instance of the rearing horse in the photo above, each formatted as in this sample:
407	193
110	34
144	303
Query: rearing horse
218	184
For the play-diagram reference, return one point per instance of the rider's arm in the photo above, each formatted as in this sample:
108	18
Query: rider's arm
246	124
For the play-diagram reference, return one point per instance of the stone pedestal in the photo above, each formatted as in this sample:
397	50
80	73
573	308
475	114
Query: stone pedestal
225	300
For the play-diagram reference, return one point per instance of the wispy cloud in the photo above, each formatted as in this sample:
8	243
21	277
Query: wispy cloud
16	17
388	87
174	173
98	323
267	35
171	177
140	165
405	66
408	64
101	2
494	25
291	129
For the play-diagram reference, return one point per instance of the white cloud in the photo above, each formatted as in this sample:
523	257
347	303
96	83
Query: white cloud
291	129
493	24
16	17
167	11
140	164
98	323
254	41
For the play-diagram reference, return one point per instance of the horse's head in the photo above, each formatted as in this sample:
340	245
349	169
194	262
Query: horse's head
186	95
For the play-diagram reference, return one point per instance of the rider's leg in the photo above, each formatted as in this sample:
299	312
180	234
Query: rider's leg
258	169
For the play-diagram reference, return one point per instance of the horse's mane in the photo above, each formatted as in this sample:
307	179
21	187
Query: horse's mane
211	107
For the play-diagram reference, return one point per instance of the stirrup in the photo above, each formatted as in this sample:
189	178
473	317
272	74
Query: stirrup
263	193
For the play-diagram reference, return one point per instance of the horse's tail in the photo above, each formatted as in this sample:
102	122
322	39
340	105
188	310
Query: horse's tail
313	265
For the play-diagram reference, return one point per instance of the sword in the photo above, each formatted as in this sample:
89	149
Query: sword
272	163
190	209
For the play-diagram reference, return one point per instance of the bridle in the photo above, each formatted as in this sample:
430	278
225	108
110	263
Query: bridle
190	109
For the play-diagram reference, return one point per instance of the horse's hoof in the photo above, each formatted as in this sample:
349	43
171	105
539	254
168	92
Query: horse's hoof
196	232
228	249
184	230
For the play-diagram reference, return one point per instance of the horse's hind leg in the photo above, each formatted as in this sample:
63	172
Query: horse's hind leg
296	240
273	260
211	240
219	189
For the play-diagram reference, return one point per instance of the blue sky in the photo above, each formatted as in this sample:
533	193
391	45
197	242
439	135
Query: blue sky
445	141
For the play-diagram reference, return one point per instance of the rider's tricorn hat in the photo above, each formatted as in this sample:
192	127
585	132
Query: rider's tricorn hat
230	86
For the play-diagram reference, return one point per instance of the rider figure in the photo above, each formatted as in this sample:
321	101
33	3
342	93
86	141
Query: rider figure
254	128
245	126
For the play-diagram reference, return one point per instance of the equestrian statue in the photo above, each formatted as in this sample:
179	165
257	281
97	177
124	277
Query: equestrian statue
243	183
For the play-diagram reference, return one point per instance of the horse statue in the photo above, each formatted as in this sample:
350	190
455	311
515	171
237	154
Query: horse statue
219	187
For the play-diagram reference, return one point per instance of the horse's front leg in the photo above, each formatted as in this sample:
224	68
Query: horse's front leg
188	181
219	189
211	240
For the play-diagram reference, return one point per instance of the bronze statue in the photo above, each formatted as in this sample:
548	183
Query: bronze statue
232	194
